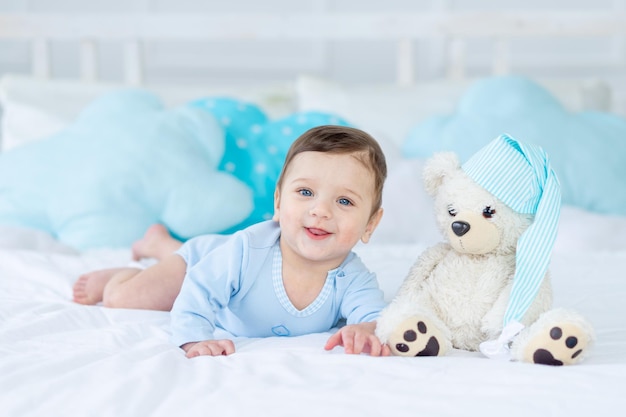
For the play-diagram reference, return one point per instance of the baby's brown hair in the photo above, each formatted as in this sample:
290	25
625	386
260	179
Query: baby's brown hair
343	140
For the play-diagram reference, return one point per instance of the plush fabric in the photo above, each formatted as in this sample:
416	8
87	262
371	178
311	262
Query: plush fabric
460	292
587	149
125	163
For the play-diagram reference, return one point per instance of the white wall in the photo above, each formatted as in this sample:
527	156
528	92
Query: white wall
344	61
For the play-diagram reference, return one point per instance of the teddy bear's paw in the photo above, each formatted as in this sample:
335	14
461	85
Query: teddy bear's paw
417	336
557	345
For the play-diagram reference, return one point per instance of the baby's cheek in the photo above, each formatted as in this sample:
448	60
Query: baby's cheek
351	238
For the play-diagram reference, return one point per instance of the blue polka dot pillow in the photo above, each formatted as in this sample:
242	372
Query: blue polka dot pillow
256	147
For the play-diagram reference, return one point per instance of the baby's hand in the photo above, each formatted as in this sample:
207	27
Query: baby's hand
358	338
209	348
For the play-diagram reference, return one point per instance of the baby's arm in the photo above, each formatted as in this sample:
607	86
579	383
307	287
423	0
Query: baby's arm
206	289
209	348
358	338
362	301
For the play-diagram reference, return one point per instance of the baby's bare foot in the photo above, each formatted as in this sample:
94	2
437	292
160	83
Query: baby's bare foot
89	287
156	243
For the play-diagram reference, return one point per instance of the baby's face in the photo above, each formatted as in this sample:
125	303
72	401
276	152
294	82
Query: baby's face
324	207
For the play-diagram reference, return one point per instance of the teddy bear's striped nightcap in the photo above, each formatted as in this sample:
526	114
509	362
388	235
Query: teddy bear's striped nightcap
520	175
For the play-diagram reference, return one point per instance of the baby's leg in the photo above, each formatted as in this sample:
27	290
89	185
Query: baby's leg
156	243
89	287
154	288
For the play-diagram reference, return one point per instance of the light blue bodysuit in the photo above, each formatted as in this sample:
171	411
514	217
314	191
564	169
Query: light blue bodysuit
235	283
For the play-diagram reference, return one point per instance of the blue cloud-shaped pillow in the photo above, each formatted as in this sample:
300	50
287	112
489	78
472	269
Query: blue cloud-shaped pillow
587	149
125	163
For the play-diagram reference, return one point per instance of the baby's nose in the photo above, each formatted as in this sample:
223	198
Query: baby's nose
320	208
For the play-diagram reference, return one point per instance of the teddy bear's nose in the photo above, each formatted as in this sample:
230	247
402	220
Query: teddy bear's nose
460	228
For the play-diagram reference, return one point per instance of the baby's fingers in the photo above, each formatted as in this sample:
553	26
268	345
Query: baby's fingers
365	343
375	347
211	348
385	350
359	343
227	346
334	340
348	341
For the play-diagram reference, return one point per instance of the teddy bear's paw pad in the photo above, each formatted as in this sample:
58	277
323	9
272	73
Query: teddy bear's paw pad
416	337
557	345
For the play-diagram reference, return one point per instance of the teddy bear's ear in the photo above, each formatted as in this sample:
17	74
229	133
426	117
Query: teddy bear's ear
436	169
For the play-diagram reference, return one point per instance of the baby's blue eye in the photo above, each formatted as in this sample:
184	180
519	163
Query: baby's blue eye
306	193
344	202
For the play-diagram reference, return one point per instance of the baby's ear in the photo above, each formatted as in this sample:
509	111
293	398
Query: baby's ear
437	168
371	225
275	217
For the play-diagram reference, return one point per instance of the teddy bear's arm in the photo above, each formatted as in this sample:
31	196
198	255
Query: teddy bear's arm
492	321
422	269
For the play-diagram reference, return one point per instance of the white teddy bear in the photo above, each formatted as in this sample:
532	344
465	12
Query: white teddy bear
487	287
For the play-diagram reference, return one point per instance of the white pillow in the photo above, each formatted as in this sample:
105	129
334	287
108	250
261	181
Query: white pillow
386	111
389	111
34	108
15	237
408	212
584	231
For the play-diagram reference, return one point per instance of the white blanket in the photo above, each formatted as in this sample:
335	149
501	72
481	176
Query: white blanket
58	358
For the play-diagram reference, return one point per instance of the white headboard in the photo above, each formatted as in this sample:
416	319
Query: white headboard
452	29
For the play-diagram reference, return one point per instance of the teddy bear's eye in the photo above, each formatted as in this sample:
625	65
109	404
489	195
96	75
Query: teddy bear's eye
452	211
488	212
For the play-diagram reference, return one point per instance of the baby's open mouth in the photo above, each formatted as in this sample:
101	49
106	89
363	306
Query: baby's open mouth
316	232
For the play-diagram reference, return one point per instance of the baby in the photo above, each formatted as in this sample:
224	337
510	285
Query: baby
292	275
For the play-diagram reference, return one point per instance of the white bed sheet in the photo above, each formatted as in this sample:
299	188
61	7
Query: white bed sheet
58	358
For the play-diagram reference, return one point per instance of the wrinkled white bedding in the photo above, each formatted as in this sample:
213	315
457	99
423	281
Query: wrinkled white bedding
59	358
